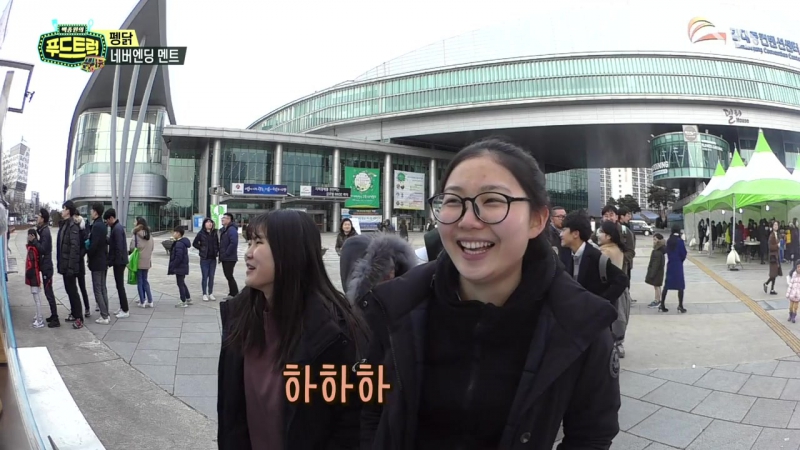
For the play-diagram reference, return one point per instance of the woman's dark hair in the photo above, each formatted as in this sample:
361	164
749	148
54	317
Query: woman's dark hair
672	242
206	220
676	229
610	229
296	247
658	236
521	164
140	221
352	228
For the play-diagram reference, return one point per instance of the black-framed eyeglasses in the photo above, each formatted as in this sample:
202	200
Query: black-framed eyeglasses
489	207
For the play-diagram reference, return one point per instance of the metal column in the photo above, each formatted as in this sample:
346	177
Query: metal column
388	174
432	172
337	180
204	182
4	95
216	166
113	136
277	166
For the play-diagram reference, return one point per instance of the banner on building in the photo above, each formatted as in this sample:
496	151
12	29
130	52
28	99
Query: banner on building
409	190
217	211
365	187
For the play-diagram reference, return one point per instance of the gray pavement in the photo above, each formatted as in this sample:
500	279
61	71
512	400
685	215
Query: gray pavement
717	377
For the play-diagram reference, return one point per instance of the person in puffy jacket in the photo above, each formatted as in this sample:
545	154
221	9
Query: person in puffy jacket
143	240
229	252
46	266
179	265
346	230
97	254
118	259
68	257
207	244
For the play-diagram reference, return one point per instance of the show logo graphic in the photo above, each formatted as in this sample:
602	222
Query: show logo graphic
702	30
77	45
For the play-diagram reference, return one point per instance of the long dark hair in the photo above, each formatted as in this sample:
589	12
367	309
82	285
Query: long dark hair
352	228
296	247
610	229
523	168
141	222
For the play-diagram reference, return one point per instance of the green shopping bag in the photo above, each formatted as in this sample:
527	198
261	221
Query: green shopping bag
133	266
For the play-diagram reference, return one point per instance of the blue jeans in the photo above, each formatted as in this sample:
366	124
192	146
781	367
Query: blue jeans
208	267
143	286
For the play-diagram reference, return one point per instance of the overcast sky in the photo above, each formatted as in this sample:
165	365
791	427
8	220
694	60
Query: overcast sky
305	46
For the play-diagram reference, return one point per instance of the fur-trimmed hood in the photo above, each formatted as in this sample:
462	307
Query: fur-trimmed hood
367	260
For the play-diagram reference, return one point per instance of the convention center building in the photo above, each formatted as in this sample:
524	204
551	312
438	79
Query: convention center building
674	95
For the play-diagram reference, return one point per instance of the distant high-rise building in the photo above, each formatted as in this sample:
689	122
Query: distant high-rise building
35	202
15	172
619	182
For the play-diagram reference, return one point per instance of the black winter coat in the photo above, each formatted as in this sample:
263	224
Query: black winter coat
68	248
571	372
117	246
313	425
179	257
229	243
97	254
46	255
207	244
589	273
655	269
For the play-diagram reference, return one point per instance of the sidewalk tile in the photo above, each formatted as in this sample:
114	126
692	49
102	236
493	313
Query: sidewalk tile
634	411
683	376
200	319
677	396
637	386
167	387
792	391
657	446
787	369
201	338
123	336
770	413
736	307
196	385
625	441
721	380
759	386
758	368
155	357
124	325
670	427
199	350
794	358
144	318
197	310
727	367
161	333
176	313
201	327
201	366
165	323
725	406
159	343
773	438
206	405
795	421
159	374
123	349
730	436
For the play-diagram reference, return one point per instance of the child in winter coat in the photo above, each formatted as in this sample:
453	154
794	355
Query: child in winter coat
32	275
179	265
793	293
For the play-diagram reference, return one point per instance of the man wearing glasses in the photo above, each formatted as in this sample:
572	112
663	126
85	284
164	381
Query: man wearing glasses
557	216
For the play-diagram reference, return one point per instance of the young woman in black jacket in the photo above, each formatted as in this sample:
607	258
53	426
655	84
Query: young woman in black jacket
493	345
290	313
207	244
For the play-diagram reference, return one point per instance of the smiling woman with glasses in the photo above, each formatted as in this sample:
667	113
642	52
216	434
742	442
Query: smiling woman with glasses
492	345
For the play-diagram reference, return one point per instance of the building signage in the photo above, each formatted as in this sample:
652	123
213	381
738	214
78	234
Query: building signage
365	187
259	189
734	116
690	133
660	169
409	190
327	192
702	30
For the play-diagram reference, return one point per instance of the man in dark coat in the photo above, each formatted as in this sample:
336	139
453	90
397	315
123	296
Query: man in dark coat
97	254
229	252
68	257
46	264
583	260
118	259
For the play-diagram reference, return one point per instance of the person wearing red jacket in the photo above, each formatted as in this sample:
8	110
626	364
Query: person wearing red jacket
32	275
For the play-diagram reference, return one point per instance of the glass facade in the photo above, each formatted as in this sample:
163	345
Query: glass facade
92	143
673	157
590	76
183	174
569	188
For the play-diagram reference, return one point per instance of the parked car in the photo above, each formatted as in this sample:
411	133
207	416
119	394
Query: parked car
641	227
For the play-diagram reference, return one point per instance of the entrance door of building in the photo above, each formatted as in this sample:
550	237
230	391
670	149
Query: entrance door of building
320	218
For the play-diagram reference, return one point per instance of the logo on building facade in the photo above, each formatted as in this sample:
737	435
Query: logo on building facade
701	29
735	116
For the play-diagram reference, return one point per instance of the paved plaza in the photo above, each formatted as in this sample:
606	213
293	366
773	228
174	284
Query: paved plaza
722	376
